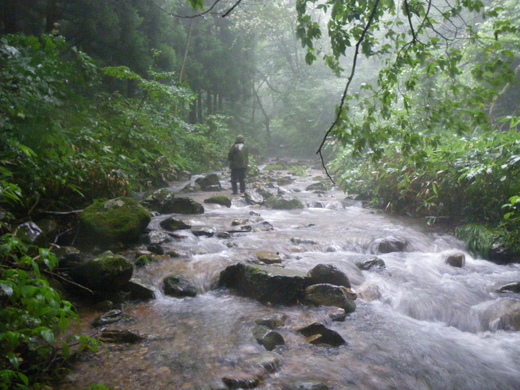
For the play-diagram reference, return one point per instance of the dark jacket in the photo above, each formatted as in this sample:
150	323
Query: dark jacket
238	156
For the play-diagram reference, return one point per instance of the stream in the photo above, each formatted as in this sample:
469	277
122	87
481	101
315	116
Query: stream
419	323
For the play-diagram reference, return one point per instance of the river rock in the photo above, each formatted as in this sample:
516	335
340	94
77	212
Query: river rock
210	182
319	334
253	197
284	203
160	200
374	262
513	287
263	226
31	233
203	231
241	381
171	224
179	287
139	291
319	186
220	199
267	361
338	314
510	320
325	294
120	336
272	322
327	273
456	260
104	274
186	206
390	244
116	221
109	317
156	237
68	256
266	283
267	337
268	257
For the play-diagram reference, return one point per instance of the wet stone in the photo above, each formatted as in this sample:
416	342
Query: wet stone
267	361
109	317
270	339
375	262
204	231
513	287
156	237
325	294
391	244
318	334
179	287
327	273
268	257
241	381
456	260
172	224
117	336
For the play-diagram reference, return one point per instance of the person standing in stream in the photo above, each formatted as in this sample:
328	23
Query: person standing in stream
238	161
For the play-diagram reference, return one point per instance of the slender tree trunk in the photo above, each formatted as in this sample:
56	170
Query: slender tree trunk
267	120
199	108
220	103
51	16
209	103
8	13
185	57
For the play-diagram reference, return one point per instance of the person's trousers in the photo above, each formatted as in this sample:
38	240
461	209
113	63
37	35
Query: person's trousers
238	177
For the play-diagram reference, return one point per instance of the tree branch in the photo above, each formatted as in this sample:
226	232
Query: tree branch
347	87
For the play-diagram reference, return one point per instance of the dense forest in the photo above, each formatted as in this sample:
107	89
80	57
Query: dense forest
411	104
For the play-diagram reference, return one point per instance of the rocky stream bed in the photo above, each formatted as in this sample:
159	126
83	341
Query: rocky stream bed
294	285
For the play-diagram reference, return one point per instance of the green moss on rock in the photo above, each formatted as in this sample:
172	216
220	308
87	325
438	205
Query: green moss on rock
119	220
219	199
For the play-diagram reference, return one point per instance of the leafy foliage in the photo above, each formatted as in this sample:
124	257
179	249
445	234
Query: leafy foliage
32	316
74	143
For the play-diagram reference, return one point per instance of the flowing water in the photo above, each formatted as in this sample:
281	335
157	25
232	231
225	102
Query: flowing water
419	323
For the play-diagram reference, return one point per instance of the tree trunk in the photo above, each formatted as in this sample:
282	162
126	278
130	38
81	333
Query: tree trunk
9	15
51	16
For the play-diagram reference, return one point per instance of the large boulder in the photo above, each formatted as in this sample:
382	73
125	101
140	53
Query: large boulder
390	244
179	287
171	224
327	273
209	183
116	221
160	200
219	199
284	203
186	206
107	273
266	283
325	294
319	334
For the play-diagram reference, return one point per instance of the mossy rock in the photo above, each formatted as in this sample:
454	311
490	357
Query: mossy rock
319	186
219	199
106	273
144	260
186	206
284	204
282	181
119	220
265	283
